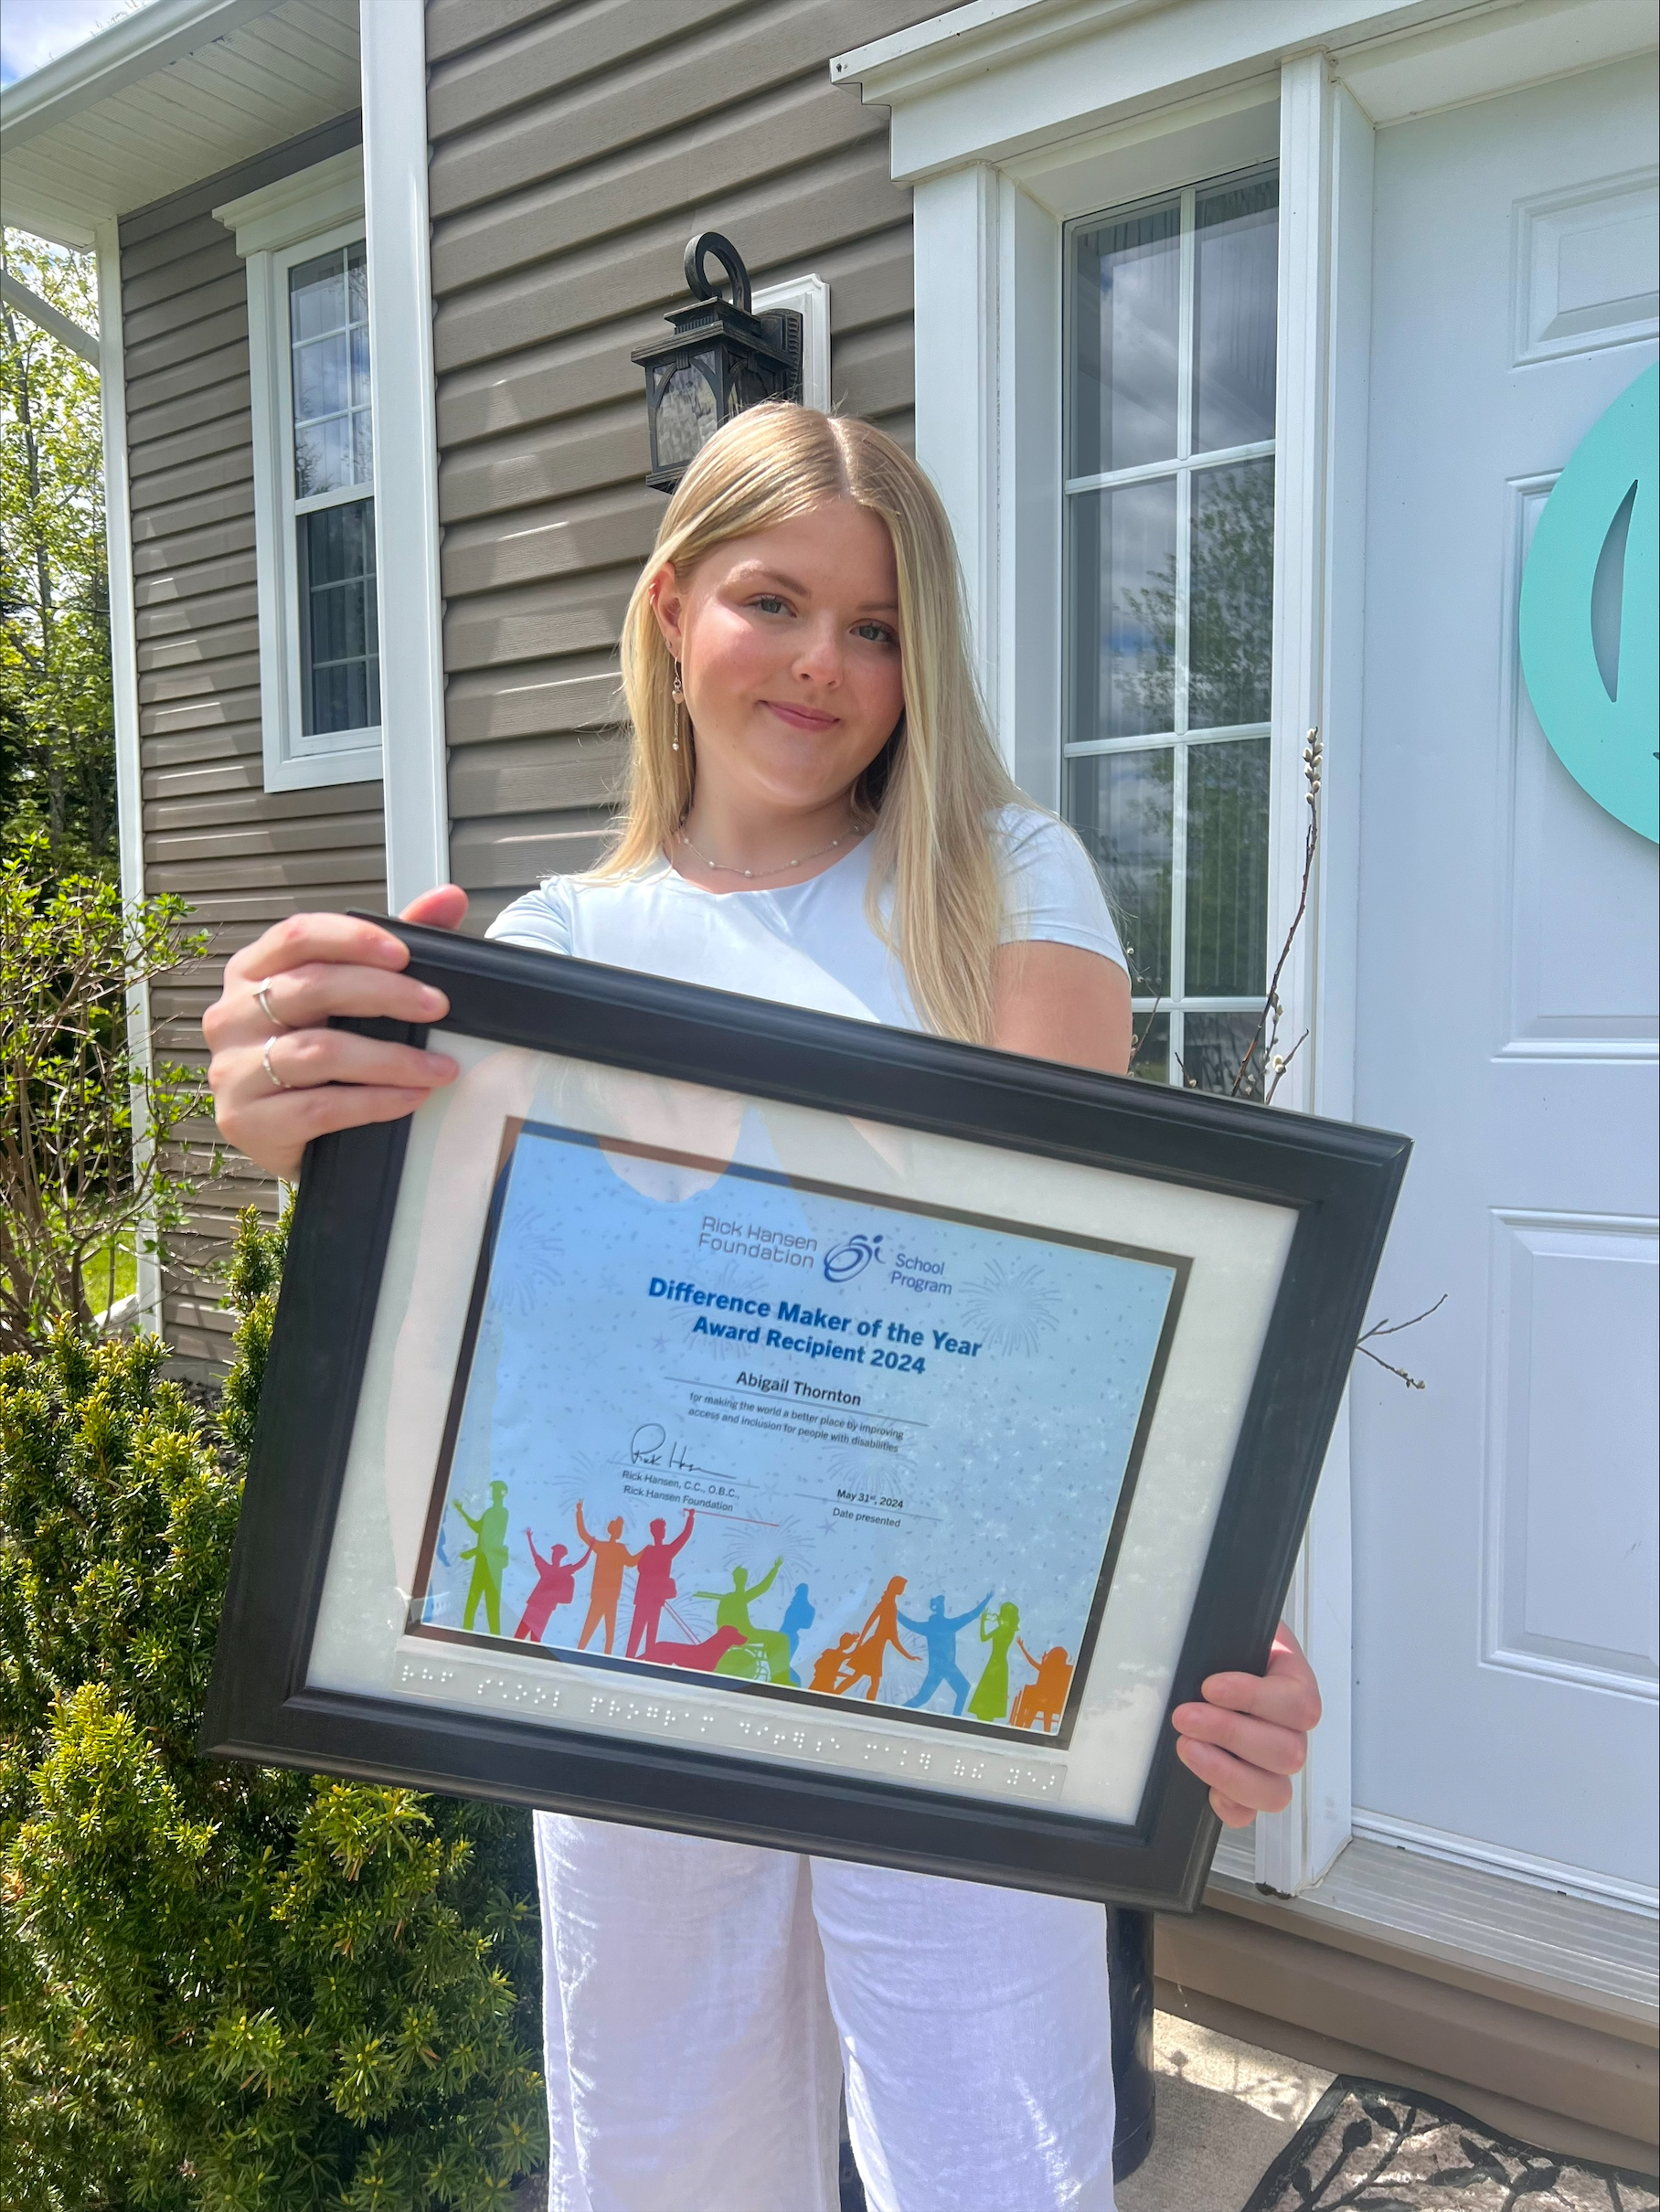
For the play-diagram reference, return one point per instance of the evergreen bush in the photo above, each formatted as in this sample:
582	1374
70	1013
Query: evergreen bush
222	1988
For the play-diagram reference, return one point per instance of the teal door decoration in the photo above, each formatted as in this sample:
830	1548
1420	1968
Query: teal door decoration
1590	618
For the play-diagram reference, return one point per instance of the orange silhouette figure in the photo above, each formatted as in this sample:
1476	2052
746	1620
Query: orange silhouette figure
864	1662
611	1560
827	1667
1042	1701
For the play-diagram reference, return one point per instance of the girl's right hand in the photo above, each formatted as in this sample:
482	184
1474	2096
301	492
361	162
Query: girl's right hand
280	1077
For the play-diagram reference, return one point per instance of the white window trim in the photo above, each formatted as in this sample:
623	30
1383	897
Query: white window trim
1181	739
310	213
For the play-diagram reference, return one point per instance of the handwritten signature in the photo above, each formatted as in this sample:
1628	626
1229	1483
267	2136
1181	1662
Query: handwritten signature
649	1447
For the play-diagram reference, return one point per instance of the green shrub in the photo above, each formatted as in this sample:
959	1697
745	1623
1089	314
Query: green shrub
220	1986
74	1185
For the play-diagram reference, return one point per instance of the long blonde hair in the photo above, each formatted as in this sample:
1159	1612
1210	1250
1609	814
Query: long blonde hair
931	794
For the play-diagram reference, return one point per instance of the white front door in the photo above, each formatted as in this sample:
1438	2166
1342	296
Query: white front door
1505	1529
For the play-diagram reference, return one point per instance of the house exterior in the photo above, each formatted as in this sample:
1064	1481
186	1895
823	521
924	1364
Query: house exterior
1246	341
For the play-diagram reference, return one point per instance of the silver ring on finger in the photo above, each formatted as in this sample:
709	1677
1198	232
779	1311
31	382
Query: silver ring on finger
276	1079
262	998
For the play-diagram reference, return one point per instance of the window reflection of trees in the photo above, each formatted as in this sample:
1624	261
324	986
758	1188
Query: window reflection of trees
1123	807
1229	607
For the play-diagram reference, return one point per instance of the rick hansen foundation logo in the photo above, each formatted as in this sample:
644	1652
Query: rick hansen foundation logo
842	1261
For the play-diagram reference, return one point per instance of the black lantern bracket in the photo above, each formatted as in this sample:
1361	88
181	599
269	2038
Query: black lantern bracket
719	358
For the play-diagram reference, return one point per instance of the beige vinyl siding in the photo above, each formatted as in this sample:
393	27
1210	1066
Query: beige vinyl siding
575	149
242	856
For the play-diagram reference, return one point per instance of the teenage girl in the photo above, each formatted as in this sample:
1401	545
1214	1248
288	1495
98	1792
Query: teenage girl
815	813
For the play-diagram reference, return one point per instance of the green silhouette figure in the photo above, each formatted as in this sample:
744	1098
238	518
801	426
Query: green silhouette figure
759	1645
990	1700
489	1557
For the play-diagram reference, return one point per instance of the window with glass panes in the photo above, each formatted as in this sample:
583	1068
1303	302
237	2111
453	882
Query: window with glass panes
334	491
1169	552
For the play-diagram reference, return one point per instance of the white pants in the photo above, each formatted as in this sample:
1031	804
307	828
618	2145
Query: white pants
706	1999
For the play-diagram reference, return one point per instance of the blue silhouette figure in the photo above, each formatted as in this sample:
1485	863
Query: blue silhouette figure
939	1634
799	1617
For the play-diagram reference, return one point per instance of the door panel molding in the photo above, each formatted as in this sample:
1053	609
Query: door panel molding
1563	1544
1584	267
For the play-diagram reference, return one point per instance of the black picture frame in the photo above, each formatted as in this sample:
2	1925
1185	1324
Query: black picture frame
1340	1180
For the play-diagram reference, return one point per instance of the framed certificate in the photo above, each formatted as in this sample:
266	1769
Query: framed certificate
714	1415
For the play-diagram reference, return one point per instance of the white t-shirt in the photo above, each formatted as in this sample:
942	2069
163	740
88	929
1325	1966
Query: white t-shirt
810	944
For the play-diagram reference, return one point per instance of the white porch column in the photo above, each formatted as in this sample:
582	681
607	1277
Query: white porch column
124	685
406	447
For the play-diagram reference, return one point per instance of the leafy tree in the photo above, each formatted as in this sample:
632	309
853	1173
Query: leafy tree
72	1182
57	743
222	1988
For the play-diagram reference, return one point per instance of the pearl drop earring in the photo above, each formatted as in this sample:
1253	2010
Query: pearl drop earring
676	692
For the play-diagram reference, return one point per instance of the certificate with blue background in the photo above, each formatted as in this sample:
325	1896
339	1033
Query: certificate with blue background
801	1443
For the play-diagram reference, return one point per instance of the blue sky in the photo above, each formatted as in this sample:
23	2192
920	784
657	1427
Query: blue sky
35	31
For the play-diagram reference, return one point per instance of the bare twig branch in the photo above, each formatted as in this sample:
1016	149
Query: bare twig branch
1393	1328
1140	1041
1411	1381
1263	1048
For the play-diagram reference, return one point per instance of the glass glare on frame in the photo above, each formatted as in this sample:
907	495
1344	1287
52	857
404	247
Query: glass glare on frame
1172	312
329	356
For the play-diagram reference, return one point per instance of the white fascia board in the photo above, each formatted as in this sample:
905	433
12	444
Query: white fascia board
44	216
132	46
998	77
1058	67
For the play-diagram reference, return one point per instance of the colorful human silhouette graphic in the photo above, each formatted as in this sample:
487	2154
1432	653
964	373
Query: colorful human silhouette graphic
830	1665
556	1585
1042	1703
654	1584
879	1634
489	1557
799	1616
990	1700
939	1633
761	1646
703	1658
611	1560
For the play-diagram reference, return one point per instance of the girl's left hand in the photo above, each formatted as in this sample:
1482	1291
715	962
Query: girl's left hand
1251	1733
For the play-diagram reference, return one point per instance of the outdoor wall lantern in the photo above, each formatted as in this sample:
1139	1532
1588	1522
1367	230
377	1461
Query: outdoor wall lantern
720	358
